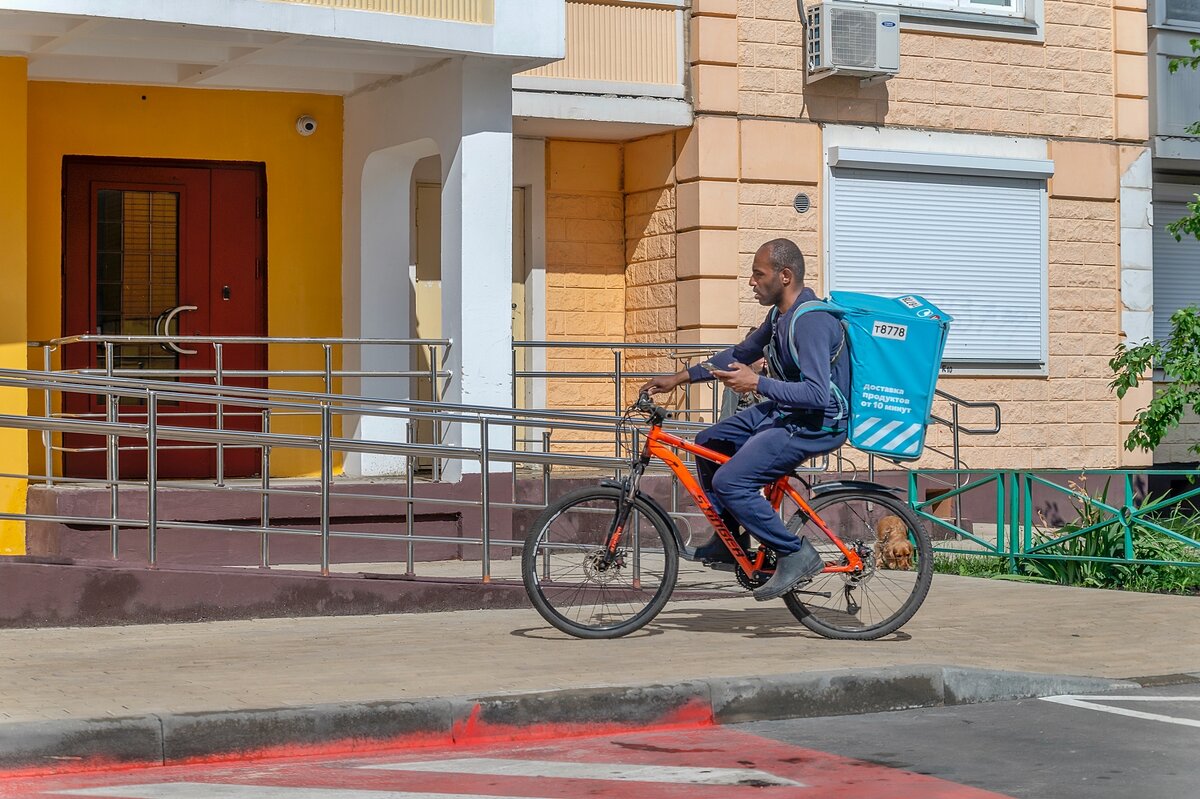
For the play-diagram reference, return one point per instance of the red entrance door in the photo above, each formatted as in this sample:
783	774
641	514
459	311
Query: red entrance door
175	248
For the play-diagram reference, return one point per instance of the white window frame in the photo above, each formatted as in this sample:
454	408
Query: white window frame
1161	20
964	6
1020	166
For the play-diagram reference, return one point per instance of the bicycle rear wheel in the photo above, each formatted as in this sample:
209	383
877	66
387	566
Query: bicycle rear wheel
579	589
897	568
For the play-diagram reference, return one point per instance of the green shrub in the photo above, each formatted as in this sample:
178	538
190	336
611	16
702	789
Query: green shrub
1108	541
970	565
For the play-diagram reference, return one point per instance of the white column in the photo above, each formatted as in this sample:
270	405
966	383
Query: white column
384	303
477	251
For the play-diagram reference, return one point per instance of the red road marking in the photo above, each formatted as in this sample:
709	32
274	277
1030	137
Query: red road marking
821	775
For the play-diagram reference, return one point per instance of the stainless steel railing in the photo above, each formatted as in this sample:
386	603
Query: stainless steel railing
152	394
679	356
435	375
155	426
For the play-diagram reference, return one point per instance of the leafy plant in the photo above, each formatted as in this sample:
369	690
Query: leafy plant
1190	224
1108	541
1178	356
1103	542
970	565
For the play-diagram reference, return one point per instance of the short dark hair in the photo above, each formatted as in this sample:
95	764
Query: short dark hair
784	254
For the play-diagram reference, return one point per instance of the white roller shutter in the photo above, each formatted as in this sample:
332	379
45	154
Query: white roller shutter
974	245
1176	268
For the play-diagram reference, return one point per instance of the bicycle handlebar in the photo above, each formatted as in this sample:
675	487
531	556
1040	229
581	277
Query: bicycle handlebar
656	412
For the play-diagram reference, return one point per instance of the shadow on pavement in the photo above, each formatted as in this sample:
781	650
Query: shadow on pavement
752	622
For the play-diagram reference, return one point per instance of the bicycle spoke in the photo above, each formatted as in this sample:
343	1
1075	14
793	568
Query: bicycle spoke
891	585
582	588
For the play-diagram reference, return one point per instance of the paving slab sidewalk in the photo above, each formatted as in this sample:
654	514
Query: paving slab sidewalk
82	674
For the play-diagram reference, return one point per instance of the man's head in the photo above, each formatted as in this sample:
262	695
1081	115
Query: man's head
778	269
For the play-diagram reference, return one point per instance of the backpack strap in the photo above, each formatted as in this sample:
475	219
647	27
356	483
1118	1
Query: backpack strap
843	405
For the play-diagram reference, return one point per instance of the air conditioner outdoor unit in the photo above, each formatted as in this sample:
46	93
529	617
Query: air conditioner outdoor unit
853	38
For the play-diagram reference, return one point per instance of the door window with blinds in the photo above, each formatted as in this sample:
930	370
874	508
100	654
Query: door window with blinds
137	271
1176	263
974	245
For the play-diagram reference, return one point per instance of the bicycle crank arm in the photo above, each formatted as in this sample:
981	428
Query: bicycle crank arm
824	594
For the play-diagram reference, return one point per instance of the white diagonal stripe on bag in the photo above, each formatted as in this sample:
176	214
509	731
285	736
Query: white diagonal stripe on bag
879	434
620	772
865	425
913	447
895	443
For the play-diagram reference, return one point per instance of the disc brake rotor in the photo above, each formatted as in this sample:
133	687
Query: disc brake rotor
600	569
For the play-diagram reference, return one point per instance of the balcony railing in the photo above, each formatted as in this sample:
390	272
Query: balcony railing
480	12
622	48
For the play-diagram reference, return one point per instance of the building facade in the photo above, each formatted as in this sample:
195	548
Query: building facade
484	170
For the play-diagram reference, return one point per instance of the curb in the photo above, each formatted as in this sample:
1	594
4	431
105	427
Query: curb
35	748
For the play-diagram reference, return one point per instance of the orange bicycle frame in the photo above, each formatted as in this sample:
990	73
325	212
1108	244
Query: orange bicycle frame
662	445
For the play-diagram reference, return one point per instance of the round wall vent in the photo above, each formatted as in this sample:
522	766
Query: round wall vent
801	203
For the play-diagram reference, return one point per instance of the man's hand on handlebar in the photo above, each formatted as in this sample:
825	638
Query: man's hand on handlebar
663	383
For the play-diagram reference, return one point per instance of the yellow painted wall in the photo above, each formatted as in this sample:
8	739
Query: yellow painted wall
14	452
585	265
304	196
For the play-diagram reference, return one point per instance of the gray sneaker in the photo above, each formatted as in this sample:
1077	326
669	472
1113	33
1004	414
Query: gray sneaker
790	571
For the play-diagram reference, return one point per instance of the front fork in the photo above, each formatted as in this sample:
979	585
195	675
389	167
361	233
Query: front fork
629	491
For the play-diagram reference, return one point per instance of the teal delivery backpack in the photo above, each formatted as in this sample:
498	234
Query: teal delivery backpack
896	347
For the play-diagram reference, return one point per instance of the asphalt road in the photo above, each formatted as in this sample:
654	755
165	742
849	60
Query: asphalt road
1142	744
698	763
1096	748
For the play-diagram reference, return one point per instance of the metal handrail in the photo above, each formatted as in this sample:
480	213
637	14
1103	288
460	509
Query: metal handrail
688	352
153	425
116	339
153	392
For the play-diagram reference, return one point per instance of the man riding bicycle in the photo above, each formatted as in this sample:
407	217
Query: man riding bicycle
804	415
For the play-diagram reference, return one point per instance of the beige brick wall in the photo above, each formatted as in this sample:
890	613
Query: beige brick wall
1070	419
650	224
765	212
1063	87
585	266
650	272
611	269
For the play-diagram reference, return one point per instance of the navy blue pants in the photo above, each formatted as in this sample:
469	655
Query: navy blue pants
764	447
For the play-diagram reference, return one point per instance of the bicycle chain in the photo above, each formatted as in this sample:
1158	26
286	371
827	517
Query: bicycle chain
750	583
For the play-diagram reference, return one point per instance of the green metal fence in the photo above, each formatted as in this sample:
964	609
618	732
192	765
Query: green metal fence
1093	515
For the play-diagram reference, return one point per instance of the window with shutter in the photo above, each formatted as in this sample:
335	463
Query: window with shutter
973	244
1176	267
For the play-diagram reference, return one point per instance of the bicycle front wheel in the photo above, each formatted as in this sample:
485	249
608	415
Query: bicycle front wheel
581	588
897	566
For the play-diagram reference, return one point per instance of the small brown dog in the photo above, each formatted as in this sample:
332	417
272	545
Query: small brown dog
893	550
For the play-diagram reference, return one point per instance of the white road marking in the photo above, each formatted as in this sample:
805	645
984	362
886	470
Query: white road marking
1090	703
201	790
497	767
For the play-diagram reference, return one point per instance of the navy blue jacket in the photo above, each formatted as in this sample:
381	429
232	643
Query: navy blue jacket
802	391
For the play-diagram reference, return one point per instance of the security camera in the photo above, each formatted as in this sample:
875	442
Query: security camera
306	125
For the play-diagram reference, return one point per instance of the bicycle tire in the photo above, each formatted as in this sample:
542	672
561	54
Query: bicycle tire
882	601
561	575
